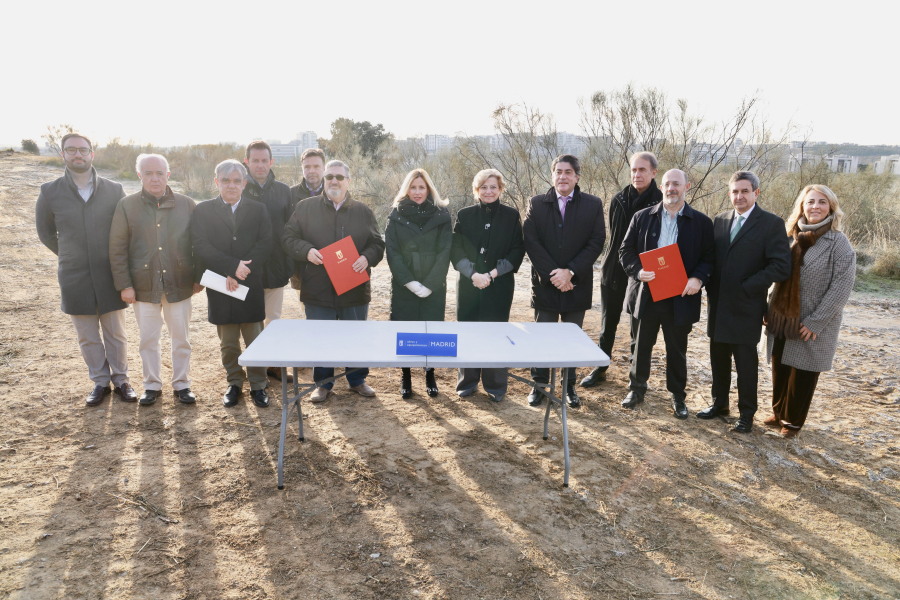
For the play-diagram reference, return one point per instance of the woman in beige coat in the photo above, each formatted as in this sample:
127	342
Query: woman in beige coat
805	311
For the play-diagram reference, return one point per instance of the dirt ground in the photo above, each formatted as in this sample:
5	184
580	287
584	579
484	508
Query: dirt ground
439	498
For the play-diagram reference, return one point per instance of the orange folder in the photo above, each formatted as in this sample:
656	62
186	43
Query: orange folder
338	259
670	274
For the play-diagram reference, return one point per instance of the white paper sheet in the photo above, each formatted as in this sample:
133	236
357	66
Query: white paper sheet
214	281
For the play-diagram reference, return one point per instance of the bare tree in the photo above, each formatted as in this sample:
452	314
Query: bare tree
54	136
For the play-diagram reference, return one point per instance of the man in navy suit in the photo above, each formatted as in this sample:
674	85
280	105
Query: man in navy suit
672	221
752	253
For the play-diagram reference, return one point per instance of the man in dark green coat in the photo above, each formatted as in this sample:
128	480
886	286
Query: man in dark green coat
73	215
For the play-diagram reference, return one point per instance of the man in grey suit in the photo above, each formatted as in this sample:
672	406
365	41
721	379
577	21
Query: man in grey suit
752	253
73	216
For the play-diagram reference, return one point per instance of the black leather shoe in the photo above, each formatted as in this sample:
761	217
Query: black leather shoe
126	392
535	398
743	425
596	377
572	398
96	397
186	396
431	384
260	398
149	397
711	412
406	384
679	408
632	399
231	396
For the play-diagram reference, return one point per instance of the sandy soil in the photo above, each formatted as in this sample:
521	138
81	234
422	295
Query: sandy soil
428	498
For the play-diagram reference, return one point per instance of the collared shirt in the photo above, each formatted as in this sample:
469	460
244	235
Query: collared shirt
562	203
669	233
87	190
314	192
746	216
338	206
233	206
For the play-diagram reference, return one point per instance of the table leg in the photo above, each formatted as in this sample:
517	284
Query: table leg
565	425
299	410
549	403
284	418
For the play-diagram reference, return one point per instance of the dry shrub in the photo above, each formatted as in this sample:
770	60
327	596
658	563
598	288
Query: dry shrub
887	260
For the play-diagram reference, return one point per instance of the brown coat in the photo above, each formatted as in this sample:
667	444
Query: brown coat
150	247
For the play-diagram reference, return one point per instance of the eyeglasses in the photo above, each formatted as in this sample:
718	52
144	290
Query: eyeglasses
329	177
71	150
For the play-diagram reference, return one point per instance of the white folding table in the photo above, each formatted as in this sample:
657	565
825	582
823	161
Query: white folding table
291	343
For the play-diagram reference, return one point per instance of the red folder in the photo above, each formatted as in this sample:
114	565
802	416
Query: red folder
338	259
670	275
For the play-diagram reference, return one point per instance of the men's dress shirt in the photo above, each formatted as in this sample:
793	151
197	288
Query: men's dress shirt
233	206
669	233
563	201
338	206
87	190
315	192
737	218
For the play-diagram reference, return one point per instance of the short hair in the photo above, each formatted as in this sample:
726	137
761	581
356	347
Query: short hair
745	176
648	156
408	181
837	215
313	152
567	158
259	145
482	176
226	167
338	163
684	175
71	134
142	157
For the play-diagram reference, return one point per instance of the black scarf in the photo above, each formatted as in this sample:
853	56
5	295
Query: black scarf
635	201
419	214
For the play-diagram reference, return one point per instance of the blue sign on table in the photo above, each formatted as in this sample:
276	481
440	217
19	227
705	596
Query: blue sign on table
426	344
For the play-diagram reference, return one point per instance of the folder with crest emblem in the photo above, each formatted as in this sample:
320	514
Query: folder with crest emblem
338	259
671	277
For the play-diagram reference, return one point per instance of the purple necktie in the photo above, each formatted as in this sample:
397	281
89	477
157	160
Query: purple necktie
563	201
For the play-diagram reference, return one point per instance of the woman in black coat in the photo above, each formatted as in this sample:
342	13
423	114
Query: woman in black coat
488	249
417	244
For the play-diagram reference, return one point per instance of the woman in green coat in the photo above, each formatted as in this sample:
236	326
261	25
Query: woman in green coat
417	244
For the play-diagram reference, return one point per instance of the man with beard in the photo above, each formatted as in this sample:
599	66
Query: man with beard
318	222
642	193
670	222
564	235
152	261
233	237
313	162
276	196
73	216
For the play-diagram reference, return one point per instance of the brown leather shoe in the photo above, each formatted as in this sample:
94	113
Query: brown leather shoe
126	392
319	395
363	389
789	433
277	372
96	397
772	421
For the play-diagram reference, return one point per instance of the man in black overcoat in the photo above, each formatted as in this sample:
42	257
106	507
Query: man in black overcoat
641	193
276	196
564	234
233	237
672	221
752	253
73	216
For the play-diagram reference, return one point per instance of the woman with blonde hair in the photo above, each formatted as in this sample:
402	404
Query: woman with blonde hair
488	248
417	245
805	311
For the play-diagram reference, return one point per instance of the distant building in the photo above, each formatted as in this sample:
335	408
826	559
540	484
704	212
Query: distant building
307	139
434	143
294	148
569	143
839	163
888	164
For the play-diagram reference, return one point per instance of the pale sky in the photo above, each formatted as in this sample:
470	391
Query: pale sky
180	72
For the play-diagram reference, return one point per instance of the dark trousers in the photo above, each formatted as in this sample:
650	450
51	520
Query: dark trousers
349	313
746	363
792	390
611	303
541	375
646	329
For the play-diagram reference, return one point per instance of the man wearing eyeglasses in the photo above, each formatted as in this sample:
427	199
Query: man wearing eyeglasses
318	222
73	216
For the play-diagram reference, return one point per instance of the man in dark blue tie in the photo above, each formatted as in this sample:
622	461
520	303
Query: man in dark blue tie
752	253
